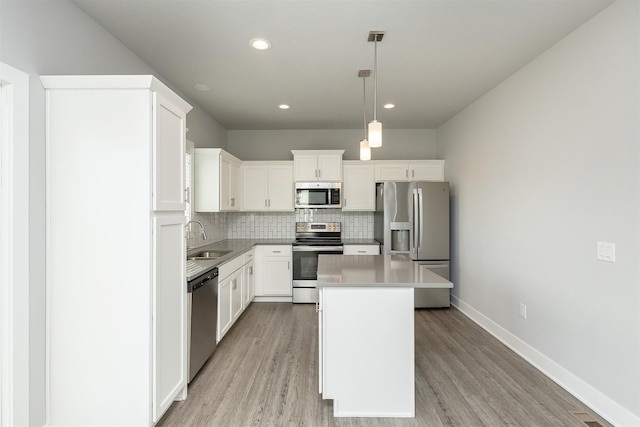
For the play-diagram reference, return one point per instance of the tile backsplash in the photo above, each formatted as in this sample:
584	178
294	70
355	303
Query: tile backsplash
275	225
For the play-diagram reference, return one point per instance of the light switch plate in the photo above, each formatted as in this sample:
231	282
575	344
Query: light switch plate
606	251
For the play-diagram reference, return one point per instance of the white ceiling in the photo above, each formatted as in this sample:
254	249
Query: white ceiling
436	58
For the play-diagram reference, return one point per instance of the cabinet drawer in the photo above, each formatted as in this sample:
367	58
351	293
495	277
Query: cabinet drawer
276	250
229	267
361	250
248	256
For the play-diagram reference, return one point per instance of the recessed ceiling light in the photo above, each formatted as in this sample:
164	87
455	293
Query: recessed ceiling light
260	44
202	87
389	106
284	106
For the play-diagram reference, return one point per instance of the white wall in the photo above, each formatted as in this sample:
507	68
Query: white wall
541	168
397	144
55	37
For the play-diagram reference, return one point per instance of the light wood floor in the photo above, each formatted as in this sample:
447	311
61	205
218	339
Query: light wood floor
264	373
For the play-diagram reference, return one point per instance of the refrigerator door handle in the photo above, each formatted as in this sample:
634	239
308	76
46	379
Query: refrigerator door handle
420	218
416	222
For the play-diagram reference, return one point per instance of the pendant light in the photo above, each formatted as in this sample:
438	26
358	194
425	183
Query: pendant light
365	150
375	127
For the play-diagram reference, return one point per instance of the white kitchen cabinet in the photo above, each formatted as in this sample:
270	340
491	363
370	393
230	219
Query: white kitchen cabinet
359	186
216	181
273	278
267	186
415	170
317	165
248	278
361	249
116	300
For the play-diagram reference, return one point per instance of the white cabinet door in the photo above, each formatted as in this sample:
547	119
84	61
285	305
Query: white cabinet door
229	185
273	270
168	155
306	167
169	299
277	276
255	182
359	187
224	307
426	170
317	165
267	186
234	187
329	167
237	305
280	187
391	171
249	283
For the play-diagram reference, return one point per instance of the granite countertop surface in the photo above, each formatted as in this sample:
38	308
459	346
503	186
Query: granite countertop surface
235	247
376	271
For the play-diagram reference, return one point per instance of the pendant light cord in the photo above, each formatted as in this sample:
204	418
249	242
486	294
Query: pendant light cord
375	77
364	105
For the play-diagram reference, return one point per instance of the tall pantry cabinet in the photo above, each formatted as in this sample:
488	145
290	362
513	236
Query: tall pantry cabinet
116	293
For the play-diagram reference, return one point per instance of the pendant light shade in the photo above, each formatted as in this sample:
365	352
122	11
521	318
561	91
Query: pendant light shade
375	127
365	150
375	134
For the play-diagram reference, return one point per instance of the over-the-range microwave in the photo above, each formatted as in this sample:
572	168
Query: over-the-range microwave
325	195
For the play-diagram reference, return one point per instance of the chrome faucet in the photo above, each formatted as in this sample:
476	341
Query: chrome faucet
204	235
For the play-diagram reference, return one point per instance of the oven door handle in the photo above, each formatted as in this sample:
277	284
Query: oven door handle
317	248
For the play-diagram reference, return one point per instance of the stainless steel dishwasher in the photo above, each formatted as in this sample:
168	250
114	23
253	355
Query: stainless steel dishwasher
204	317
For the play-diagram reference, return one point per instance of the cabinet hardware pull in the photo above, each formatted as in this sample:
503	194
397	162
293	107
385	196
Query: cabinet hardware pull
269	202
361	252
319	173
413	173
276	252
345	202
406	173
187	195
251	270
265	203
288	265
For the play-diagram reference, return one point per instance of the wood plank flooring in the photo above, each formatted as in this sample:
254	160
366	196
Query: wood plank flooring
265	373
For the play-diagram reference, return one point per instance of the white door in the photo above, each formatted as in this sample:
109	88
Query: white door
277	274
169	312
281	187
306	167
329	167
169	127
254	187
359	190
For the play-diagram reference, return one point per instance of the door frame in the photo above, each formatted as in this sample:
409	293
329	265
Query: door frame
14	246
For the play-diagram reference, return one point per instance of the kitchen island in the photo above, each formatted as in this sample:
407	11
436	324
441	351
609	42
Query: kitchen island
366	332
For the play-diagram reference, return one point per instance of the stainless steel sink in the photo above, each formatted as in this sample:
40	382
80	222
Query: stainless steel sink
204	255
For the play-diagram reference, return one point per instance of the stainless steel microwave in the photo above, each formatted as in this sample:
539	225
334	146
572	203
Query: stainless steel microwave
325	195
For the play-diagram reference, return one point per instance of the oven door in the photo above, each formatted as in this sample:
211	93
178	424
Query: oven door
305	271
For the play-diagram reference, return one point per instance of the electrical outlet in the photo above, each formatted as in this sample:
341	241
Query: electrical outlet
606	251
523	311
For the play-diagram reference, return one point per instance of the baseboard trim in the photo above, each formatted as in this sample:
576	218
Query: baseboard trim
594	399
272	299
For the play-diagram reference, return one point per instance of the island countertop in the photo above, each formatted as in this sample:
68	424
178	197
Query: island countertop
376	271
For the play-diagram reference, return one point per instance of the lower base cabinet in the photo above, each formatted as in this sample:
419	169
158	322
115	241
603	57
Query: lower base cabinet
274	271
235	290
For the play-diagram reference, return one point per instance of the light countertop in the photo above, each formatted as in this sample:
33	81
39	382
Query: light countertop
235	247
376	271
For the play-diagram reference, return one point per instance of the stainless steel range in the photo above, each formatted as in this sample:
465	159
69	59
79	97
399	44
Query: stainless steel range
312	239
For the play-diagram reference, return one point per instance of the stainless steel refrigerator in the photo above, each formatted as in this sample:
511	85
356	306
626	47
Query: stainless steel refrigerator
413	218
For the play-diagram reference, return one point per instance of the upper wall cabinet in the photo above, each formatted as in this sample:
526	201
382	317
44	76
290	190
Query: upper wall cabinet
359	186
217	181
317	165
415	170
267	186
115	177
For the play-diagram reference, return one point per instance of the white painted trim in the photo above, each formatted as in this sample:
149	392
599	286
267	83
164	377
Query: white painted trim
593	398
14	247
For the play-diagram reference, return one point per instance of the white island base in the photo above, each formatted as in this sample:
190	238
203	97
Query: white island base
366	333
368	351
